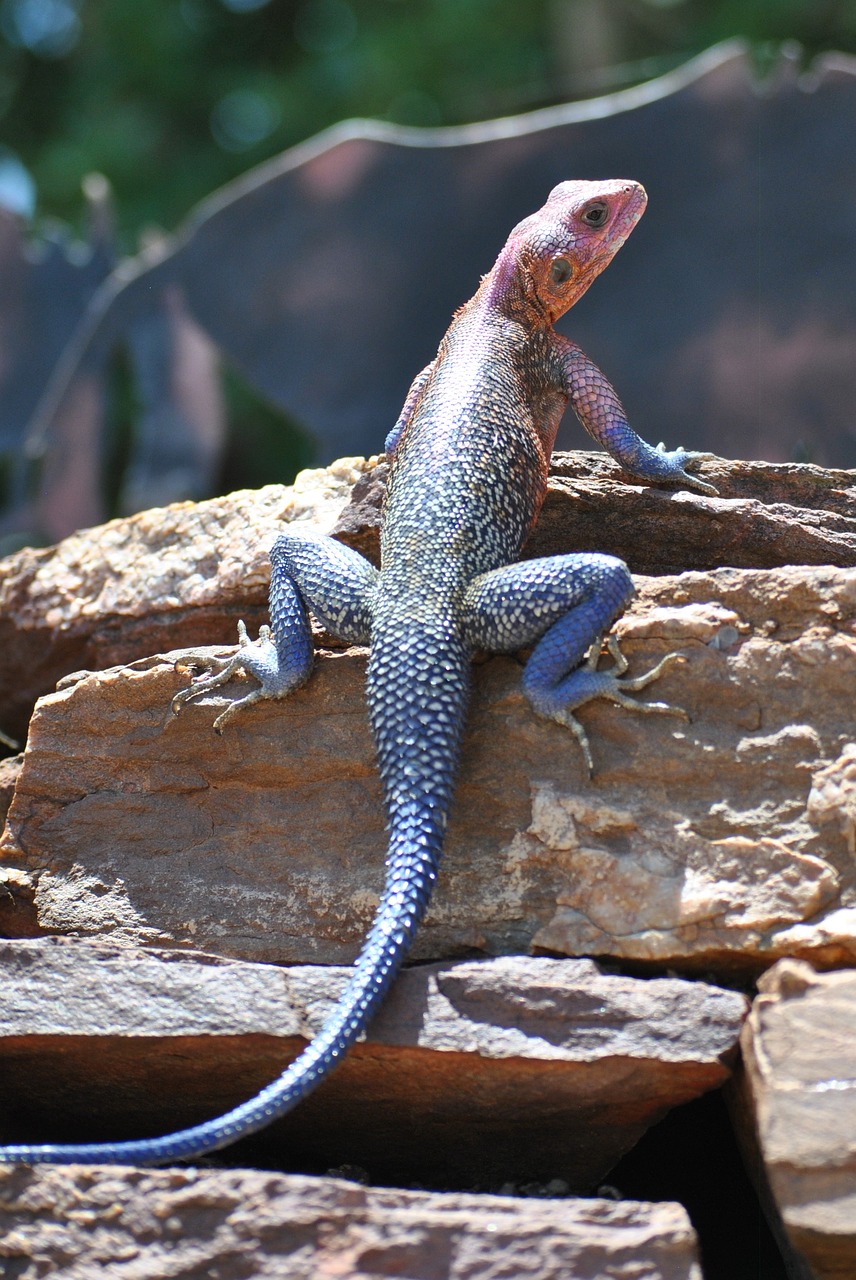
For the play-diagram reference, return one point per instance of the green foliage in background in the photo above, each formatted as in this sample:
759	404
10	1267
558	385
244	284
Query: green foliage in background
172	98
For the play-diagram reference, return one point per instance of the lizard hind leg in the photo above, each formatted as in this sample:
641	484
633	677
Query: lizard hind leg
317	573
566	604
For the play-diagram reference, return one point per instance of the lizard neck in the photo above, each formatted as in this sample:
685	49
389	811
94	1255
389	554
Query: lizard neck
508	291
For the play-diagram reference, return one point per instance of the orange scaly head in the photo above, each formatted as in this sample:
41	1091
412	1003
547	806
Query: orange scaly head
552	257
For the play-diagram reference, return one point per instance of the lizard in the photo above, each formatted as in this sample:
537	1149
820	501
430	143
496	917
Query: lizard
469	459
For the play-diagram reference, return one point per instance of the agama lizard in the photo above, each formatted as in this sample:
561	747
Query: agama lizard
469	457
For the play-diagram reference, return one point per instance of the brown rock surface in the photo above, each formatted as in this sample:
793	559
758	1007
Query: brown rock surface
10	770
559	1069
723	843
797	1104
235	1223
766	515
727	841
183	575
175	575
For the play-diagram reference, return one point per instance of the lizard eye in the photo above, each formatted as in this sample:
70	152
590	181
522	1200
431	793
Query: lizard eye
596	214
561	270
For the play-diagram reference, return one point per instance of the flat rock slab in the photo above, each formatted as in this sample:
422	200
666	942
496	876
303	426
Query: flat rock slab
721	843
765	515
553	1068
178	575
183	575
156	1224
797	1100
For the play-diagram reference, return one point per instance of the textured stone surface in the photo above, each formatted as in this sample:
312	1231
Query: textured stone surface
10	769
175	575
766	514
797	1101
558	1068
158	1224
183	575
726	841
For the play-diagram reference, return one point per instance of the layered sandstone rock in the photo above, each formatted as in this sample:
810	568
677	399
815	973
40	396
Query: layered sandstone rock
711	845
182	575
797	1106
725	841
150	1224
175	575
557	1068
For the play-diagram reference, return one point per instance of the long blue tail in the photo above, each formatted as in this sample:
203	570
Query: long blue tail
418	775
386	946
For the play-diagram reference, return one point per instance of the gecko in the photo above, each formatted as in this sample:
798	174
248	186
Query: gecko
469	459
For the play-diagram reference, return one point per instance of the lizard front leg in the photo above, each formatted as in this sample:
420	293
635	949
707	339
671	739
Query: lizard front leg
596	404
566	604
318	573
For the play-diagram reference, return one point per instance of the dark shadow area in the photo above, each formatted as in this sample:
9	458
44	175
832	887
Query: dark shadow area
692	1156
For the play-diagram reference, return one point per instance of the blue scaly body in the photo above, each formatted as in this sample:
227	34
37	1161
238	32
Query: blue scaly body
469	461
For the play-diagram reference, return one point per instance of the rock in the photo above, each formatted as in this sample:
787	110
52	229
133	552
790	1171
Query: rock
724	843
358	523
230	1223
181	575
558	1068
766	515
796	1101
10	770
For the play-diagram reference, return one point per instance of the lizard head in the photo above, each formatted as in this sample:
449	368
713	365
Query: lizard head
552	257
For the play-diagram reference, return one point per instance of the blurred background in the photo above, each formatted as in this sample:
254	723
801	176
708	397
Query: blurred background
170	99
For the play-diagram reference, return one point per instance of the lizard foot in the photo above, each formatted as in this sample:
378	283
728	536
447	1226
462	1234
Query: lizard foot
258	658
587	683
682	465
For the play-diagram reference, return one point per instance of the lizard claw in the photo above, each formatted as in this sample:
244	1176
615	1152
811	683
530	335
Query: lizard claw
612	685
683	463
616	685
256	657
618	693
